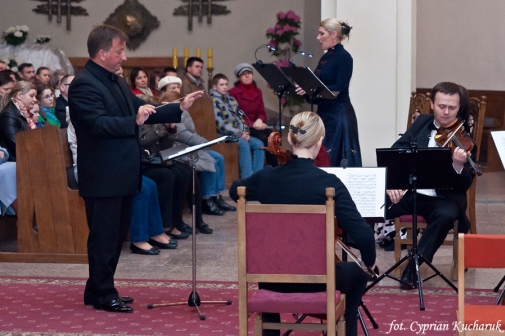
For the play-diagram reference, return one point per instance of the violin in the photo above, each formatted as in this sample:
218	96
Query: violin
455	137
284	155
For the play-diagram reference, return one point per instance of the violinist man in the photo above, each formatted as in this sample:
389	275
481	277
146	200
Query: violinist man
440	208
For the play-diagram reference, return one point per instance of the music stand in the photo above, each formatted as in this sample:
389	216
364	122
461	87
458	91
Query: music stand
309	82
174	153
413	168
278	82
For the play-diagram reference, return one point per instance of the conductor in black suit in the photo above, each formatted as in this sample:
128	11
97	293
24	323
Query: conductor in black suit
440	208
106	117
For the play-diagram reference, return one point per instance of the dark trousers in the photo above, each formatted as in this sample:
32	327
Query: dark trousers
108	220
439	213
168	185
263	136
350	280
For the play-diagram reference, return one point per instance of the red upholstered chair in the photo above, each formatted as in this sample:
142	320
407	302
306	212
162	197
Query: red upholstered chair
479	251
274	247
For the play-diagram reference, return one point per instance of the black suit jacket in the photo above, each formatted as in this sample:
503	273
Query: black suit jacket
103	112
11	123
420	132
61	111
300	182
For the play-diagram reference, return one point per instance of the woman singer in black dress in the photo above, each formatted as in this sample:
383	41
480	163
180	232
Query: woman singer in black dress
299	181
335	71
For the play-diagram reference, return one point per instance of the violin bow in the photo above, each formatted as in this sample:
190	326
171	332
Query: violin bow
357	260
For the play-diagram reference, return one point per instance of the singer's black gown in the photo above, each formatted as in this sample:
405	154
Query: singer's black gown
341	139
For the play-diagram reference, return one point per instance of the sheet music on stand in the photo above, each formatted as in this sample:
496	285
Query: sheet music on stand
499	142
367	186
181	150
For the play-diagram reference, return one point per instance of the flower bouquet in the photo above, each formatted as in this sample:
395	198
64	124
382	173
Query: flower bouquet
283	35
15	35
12	63
41	39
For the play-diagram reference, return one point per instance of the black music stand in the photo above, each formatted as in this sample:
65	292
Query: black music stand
310	83
174	153
278	82
413	168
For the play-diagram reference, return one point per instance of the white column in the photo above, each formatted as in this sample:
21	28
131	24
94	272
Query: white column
382	44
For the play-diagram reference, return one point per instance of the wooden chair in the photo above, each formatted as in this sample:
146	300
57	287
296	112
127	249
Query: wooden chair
419	104
52	224
479	251
477	113
202	112
272	247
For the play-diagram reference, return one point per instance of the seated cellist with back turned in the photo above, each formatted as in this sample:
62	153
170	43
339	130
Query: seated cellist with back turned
299	181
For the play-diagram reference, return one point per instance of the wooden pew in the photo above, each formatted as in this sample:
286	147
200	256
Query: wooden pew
52	223
202	112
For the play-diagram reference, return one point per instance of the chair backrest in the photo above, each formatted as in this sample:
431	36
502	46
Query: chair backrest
274	247
477	113
419	104
477	251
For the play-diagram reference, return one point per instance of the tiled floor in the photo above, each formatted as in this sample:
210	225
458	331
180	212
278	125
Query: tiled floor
217	253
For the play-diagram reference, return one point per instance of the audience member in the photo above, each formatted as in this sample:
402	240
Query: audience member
45	99
170	71
6	83
26	72
62	101
8	193
11	73
169	83
154	79
14	114
138	80
35	115
56	81
192	78
210	163
120	72
3	65
43	75
228	121
250	100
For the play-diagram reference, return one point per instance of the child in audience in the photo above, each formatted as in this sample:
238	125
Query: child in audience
45	99
230	122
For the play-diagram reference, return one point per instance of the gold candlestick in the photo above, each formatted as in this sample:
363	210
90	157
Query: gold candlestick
175	60
198	53
186	56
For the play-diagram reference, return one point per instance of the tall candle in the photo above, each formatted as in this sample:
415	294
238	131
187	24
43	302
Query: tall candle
209	63
186	56
175	60
198	52
209	52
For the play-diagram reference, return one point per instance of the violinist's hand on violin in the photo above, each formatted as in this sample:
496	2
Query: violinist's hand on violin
299	90
459	157
395	195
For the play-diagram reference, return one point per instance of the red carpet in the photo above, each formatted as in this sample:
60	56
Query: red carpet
52	305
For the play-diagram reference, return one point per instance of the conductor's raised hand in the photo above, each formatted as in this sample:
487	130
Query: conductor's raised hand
144	112
190	99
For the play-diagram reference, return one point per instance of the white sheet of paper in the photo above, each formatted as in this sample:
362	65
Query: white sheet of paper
499	142
197	147
367	187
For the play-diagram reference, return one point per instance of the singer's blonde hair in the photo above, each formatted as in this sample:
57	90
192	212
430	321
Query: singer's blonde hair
334	25
305	129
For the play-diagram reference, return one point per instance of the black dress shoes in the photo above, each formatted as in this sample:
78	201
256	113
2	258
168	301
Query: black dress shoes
205	229
221	204
209	207
408	277
171	245
137	250
116	306
182	235
124	299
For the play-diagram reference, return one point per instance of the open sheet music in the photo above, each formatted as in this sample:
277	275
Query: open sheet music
499	142
367	187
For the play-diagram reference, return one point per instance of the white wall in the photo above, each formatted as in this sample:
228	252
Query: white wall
461	41
233	37
382	43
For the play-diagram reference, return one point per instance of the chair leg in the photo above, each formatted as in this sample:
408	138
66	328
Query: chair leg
341	326
398	246
258	325
454	271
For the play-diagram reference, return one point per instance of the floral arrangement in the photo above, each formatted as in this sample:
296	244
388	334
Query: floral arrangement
12	63
283	35
41	39
15	35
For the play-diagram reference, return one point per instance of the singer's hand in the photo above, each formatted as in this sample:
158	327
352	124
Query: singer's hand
143	113
395	195
189	99
299	90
